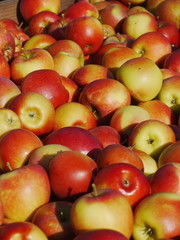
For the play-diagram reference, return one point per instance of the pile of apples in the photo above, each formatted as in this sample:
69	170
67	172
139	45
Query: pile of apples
90	121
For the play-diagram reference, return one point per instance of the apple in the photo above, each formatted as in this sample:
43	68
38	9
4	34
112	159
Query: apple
48	83
123	39
133	2
35	111
169	93
118	153
115	57
151	5
159	111
166	72
43	154
4	67
28	8
170	154
106	134
24	190
166	178
152	218
28	61
99	234
71	174
170	31
149	164
56	29
102	209
151	136
125	119
23	230
8	120
7	44
15	147
108	30
53	218
81	117
142	77
147	44
81	9
90	72
40	22
139	23
77	139
113	14
91	31
172	61
136	9
8	91
42	40
168	11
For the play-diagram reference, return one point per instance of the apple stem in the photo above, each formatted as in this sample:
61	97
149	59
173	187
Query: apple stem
94	190
9	166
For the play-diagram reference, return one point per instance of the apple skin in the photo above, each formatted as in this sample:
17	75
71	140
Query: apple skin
77	139
162	222
53	218
168	11
172	61
8	120
147	44
139	23
99	234
166	72
29	8
159	111
90	72
23	230
103	97
82	116
133	2
28	61
71	174
107	135
90	211
91	31
15	147
170	154
166	178
23	190
42	40
40	22
8	91
125	178
151	5
118	153
43	155
4	67
169	93
7	44
48	83
151	136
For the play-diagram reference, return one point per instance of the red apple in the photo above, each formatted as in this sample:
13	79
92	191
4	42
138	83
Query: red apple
4	67
16	146
71	174
57	28
163	223
172	61
136	9
152	4
29	8
107	135
102	209
166	72
99	234
118	153
151	136
125	178
40	22
53	218
28	61
48	83
7	44
153	45
91	31
108	30
170	154
24	190
35	111
166	179
103	97
22	229
82	116
77	139
133	2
